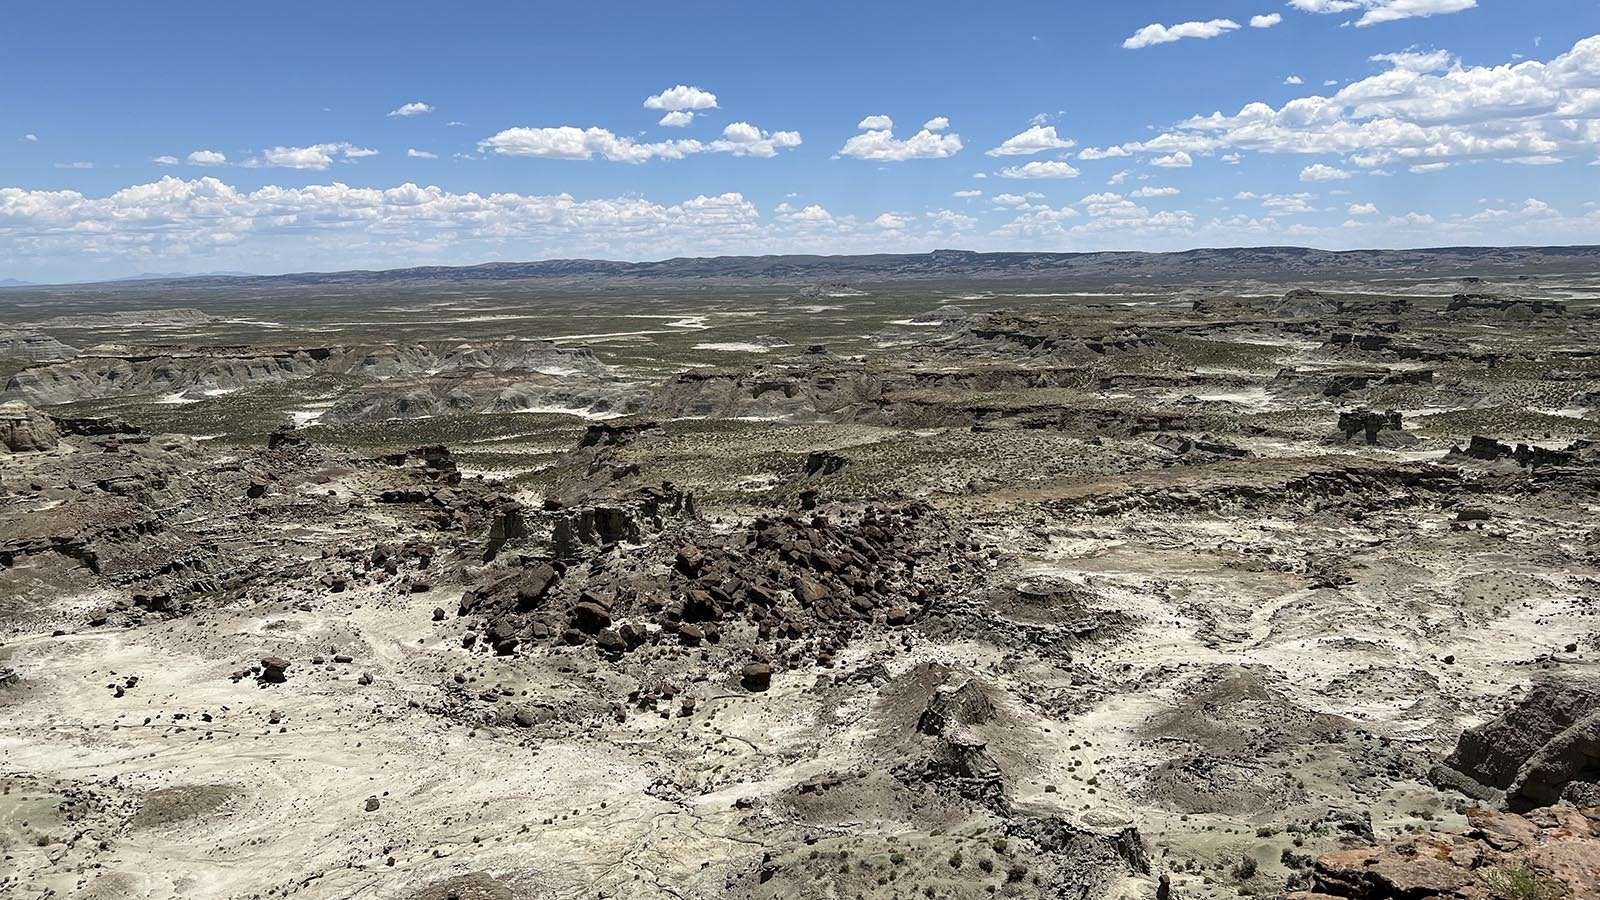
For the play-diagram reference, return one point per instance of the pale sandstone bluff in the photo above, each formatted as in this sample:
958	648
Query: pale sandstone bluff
24	429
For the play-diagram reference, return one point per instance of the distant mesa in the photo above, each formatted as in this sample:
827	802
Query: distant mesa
132	318
32	347
1500	307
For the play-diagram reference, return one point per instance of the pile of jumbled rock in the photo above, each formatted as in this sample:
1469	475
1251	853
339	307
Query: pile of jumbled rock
791	575
429	477
808	583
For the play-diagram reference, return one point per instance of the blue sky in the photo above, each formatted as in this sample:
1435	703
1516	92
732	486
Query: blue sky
279	138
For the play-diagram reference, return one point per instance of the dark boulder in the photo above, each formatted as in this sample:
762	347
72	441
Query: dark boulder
756	677
590	617
274	670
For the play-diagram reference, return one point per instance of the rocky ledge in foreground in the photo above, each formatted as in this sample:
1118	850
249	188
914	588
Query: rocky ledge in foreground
1550	853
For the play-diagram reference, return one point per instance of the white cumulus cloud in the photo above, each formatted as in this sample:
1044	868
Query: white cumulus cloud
1282	204
681	97
877	142
1016	199
571	143
947	220
414	153
1036	139
414	108
1415	61
206	158
1040	169
1376	12
1322	172
1421	111
1166	34
316	156
1178	160
1266	21
678	118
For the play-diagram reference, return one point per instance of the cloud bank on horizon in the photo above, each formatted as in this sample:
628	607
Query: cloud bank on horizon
1154	136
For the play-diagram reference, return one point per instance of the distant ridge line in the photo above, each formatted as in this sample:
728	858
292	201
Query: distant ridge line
1234	261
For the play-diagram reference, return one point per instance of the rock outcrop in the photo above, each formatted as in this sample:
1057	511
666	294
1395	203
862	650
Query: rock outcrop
1302	302
116	371
1501	308
486	391
1375	429
824	462
628	518
1544	750
961	763
1527	456
124	318
614	434
1550	853
33	347
24	429
954	706
93	426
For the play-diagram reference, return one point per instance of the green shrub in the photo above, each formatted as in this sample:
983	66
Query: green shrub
1517	882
